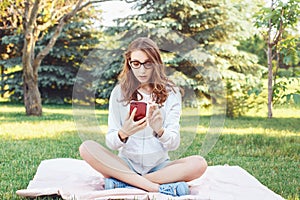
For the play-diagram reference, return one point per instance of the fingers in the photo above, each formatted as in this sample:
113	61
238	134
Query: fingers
138	125
150	112
155	114
131	117
141	120
152	109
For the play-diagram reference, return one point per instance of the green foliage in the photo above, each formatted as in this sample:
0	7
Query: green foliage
73	44
243	96
293	71
198	40
277	23
255	45
282	18
289	49
56	84
10	19
285	11
286	91
58	70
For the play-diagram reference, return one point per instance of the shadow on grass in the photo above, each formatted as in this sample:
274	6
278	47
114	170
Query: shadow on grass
274	161
16	112
65	112
12	113
279	124
21	117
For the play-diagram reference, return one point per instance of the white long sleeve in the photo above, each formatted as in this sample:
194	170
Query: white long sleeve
116	117
143	150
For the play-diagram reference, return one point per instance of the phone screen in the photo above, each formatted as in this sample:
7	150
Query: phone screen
141	109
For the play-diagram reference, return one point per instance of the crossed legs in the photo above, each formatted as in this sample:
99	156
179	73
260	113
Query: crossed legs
110	165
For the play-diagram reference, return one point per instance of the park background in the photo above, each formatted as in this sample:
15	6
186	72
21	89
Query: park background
244	56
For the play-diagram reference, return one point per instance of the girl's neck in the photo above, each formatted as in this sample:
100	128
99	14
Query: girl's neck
145	89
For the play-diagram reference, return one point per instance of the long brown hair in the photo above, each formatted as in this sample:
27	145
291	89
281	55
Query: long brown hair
159	83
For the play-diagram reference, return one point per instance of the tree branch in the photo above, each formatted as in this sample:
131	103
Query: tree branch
41	55
33	14
45	25
63	20
56	34
16	9
26	15
279	32
59	12
100	1
56	15
7	27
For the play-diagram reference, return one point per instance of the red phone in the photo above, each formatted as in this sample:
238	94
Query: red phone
141	109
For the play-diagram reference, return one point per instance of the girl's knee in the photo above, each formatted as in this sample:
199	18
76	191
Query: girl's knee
201	161
83	148
198	165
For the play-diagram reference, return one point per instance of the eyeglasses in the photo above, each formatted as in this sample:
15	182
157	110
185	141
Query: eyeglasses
135	64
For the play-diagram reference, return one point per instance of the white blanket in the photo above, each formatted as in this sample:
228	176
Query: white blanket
75	179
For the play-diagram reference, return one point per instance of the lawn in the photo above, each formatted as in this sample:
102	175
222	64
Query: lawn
267	148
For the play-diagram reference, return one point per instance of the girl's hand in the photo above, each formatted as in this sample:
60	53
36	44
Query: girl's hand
155	118
130	126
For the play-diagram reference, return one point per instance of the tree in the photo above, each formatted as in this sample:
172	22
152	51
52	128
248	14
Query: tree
275	20
36	17
214	28
59	68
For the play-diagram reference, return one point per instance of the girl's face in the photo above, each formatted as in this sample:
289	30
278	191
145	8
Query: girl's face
141	66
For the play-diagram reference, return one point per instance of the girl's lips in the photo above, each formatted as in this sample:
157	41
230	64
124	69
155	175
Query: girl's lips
142	79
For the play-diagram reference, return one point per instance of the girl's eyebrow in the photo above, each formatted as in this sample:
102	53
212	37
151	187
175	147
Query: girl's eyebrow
148	60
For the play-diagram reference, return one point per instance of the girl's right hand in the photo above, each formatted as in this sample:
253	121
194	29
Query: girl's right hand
130	126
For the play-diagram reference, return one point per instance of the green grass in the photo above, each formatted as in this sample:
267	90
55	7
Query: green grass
267	148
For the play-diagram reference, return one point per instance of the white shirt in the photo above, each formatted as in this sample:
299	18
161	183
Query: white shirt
143	150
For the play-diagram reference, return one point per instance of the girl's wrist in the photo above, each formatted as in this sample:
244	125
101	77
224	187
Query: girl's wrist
159	133
122	136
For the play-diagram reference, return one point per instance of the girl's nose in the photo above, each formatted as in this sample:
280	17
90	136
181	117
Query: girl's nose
142	68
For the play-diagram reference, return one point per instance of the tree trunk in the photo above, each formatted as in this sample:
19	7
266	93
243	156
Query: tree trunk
270	82
2	75
32	97
270	69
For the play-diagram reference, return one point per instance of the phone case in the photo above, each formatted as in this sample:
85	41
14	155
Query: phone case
141	109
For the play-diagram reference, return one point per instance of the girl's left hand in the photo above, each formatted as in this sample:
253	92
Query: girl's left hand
155	118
